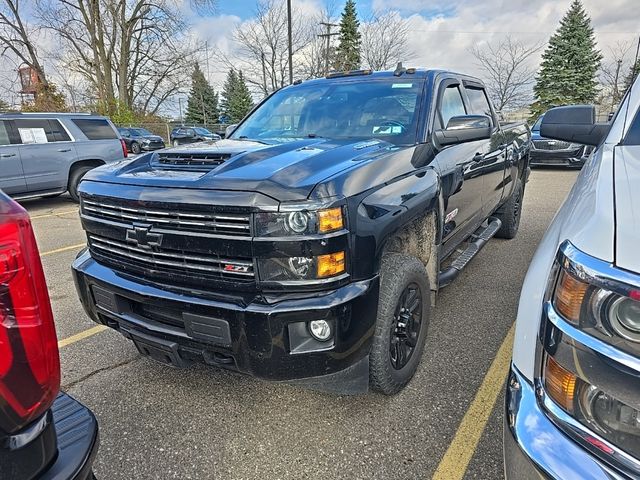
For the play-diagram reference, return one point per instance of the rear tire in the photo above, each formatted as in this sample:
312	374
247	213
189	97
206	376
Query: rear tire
74	180
510	212
401	330
135	148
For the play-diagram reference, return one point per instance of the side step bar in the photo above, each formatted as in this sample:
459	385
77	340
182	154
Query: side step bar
476	242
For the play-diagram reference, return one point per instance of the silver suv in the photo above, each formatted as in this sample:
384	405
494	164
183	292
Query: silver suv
44	154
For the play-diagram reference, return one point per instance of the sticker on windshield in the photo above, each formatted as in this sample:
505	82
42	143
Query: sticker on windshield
386	129
402	85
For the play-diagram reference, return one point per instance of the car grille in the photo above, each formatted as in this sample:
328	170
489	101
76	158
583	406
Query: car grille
551	145
194	161
158	261
177	220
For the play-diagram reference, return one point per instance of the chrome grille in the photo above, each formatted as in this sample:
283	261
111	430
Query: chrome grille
196	161
204	222
167	260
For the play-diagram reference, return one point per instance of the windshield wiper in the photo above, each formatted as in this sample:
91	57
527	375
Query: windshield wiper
244	137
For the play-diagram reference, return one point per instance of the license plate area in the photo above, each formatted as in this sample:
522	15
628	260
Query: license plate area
163	351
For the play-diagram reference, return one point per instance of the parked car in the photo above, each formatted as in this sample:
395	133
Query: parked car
44	434
552	152
573	394
309	245
44	154
139	139
182	135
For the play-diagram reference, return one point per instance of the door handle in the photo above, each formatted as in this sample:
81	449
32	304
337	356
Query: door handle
478	157
64	150
7	155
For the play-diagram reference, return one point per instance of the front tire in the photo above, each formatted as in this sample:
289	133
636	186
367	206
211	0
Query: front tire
74	180
510	212
135	148
401	325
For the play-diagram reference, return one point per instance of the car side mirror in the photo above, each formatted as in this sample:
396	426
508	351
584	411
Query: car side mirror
464	128
229	130
574	124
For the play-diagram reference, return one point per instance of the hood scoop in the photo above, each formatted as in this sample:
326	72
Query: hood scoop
189	161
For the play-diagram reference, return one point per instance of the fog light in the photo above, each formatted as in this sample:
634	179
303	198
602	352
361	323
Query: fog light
320	330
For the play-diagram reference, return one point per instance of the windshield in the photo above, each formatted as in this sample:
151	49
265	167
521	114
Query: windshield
141	132
536	126
386	109
202	131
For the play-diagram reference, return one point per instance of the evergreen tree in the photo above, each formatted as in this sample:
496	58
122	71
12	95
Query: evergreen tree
4	106
236	98
347	56
631	76
570	64
202	104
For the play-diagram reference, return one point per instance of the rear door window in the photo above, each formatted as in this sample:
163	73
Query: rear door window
4	133
633	135
40	130
451	105
95	128
478	102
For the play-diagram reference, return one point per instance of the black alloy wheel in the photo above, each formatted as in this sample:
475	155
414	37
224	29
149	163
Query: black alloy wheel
405	328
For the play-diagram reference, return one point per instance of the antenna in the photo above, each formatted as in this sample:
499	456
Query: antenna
635	62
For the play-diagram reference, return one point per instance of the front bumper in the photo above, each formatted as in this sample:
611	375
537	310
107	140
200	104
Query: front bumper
249	333
535	448
152	146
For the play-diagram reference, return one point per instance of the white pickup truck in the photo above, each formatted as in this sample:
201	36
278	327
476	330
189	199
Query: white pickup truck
573	393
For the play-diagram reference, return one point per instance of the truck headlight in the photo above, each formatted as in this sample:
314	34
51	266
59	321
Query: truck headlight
302	268
299	222
593	324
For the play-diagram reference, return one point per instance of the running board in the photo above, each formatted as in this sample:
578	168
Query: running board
478	240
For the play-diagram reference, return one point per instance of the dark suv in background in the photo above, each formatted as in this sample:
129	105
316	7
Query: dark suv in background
44	434
182	135
139	139
548	152
46	154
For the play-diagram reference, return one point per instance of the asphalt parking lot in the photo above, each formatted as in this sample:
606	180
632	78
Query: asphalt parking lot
159	422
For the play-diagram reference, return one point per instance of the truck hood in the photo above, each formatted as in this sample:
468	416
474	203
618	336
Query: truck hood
627	198
287	171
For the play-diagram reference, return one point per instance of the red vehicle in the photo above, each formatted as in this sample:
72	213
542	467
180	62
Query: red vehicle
44	433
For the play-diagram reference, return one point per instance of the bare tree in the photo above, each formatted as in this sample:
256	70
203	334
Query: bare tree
613	72
132	53
384	40
507	71
18	37
262	51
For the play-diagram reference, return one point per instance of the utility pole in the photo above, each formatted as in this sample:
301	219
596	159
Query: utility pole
180	104
264	75
290	42
206	52
328	36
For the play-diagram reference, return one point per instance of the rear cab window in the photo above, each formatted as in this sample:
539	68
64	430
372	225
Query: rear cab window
95	128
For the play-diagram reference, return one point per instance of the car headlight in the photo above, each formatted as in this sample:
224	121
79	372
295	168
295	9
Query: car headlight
287	269
592	349
299	222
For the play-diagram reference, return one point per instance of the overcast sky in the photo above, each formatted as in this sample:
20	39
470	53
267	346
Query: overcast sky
441	30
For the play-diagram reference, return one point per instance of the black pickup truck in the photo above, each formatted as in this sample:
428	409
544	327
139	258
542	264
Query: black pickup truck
308	246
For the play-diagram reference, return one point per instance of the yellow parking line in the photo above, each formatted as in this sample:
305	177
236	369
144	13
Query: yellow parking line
54	214
63	249
81	336
457	457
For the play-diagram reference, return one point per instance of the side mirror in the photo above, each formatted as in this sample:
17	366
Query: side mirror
574	124
229	130
465	128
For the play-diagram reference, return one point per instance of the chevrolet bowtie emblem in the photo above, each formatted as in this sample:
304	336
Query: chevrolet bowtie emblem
143	237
